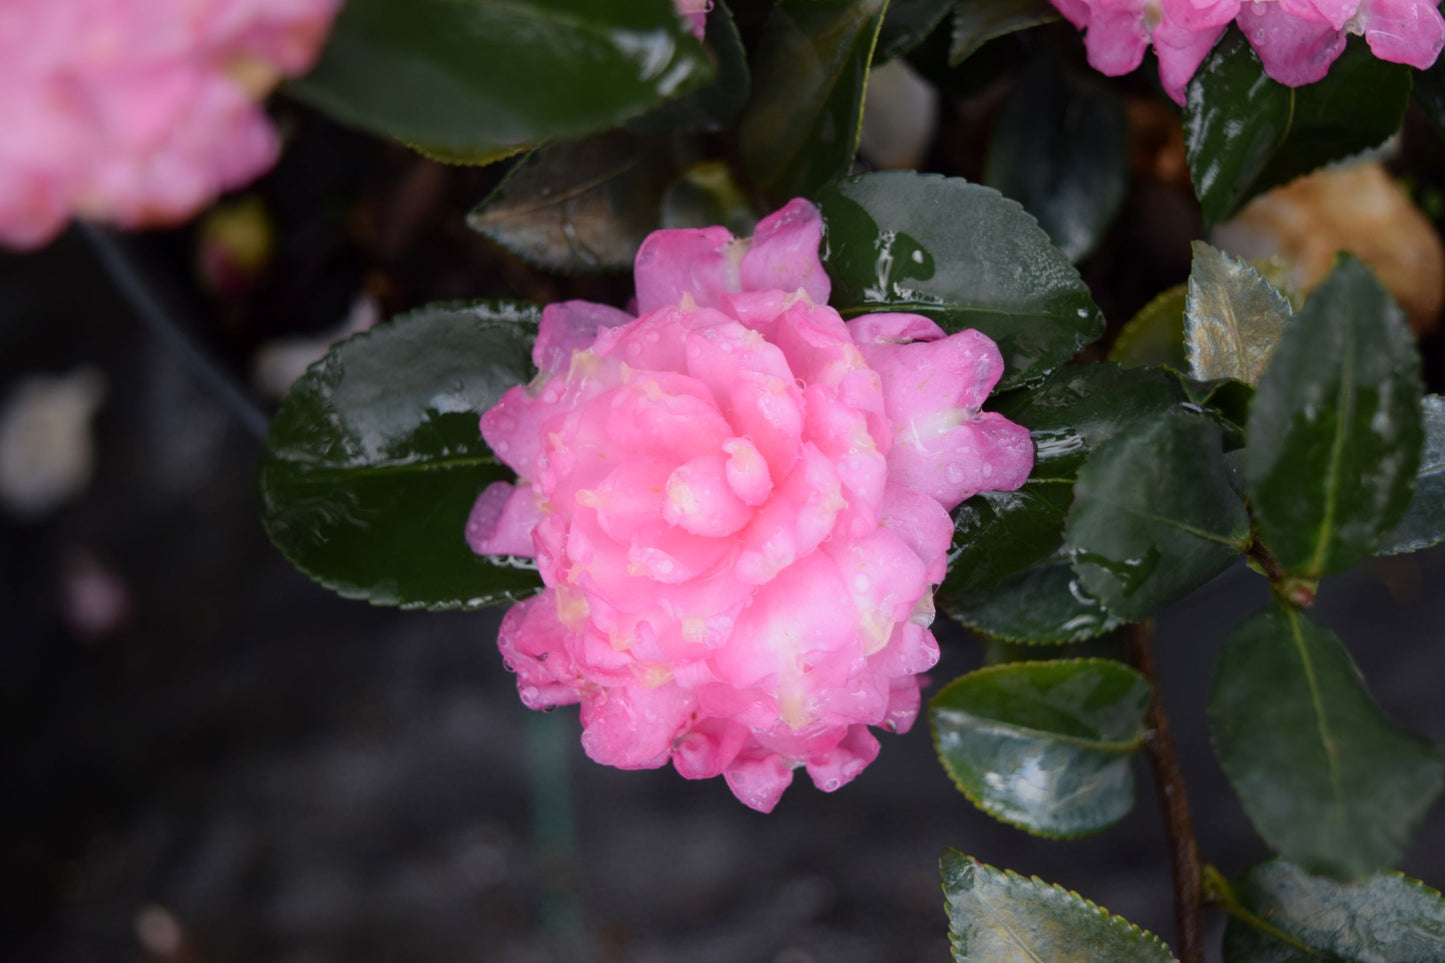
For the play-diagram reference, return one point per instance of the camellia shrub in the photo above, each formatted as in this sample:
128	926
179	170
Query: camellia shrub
842	402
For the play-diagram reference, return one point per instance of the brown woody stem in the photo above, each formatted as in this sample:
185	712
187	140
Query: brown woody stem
1169	781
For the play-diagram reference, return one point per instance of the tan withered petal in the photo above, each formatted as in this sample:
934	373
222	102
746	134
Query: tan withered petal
1233	317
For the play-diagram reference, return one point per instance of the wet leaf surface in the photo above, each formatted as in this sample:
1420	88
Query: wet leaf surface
1424	521
961	254
1046	746
1386	918
819	52
583	205
1334	431
473	82
1246	133
375	459
1327	779
1154	516
997	916
1060	148
1040	604
716	104
1233	317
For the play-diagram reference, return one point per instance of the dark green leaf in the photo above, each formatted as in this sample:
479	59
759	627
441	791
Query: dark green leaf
1334	432
1233	317
976	22
1042	604
1070	414
706	194
997	916
1386	918
961	254
1424	521
907	23
374	460
583	205
1045	746
1430	92
1246	133
478	81
715	105
1154	516
1060	148
800	128
1155	336
1327	779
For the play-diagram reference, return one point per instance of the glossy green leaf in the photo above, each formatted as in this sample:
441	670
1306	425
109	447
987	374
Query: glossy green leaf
1424	521
1246	133
961	254
1233	317
906	23
976	22
1045	746
1060	148
997	916
374	460
583	205
810	72
1334	432
1041	604
1154	516
707	194
1385	918
715	105
1073	412
1155	336
480	80
1328	780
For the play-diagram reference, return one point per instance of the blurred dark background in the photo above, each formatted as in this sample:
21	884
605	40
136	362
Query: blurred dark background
207	758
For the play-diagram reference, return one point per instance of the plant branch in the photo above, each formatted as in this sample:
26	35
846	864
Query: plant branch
1169	781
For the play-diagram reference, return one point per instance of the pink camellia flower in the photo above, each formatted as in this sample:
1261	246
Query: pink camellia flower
139	112
738	503
695	13
1296	40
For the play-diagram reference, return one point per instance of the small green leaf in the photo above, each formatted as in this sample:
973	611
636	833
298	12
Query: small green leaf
961	254
1424	521
907	23
1246	133
1385	918
374	460
1060	148
1042	604
1154	516
715	105
583	205
1045	746
1328	780
1334	431
976	22
476	81
707	194
1070	414
1233	317
816	53
1154	336
997	916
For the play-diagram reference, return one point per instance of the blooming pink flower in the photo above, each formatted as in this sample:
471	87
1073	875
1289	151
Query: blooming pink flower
1296	40
738	503
139	111
695	13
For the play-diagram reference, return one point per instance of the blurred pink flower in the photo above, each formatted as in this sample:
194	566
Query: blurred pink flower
695	13
738	503
1296	40
139	112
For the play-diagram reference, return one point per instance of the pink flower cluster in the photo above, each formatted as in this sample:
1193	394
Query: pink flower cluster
139	112
1296	40
738	503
